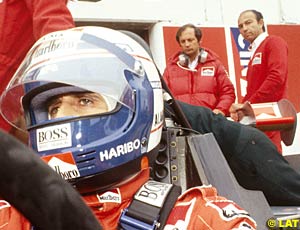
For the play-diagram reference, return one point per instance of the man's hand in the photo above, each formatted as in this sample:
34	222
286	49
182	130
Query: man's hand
243	113
236	112
217	111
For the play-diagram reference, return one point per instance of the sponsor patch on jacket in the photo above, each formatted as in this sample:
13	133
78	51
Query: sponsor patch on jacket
244	226
257	59
227	209
64	164
111	196
54	137
4	204
208	71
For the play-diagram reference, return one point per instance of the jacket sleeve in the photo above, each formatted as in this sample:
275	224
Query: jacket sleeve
225	93
202	208
49	16
204	121
11	219
38	192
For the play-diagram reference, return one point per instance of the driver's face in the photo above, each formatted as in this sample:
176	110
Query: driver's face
76	104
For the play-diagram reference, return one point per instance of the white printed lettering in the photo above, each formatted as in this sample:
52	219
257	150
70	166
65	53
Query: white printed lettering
119	150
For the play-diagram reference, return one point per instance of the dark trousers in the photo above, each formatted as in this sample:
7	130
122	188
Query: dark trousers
259	166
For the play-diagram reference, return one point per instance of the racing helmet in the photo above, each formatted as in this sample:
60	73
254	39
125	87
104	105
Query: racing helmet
104	141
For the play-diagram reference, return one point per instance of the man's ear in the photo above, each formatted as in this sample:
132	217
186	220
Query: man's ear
261	22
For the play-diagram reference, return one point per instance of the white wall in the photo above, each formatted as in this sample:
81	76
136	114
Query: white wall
199	12
196	11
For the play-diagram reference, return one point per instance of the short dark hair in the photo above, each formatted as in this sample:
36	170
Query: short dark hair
258	16
197	30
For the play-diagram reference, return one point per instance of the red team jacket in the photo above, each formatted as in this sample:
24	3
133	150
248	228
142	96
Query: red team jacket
11	219
267	76
22	22
267	72
208	85
197	208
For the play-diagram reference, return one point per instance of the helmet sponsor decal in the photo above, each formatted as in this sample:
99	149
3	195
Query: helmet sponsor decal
111	196
119	150
64	164
54	137
158	118
156	84
52	45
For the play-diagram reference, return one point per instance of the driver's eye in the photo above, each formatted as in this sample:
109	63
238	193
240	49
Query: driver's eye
85	101
52	111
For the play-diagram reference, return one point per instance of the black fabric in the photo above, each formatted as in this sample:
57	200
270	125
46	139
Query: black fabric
40	194
168	205
143	212
251	155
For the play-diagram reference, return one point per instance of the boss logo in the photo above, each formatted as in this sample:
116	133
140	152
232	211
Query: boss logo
54	137
153	192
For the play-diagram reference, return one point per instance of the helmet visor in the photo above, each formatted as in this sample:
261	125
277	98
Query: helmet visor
97	79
